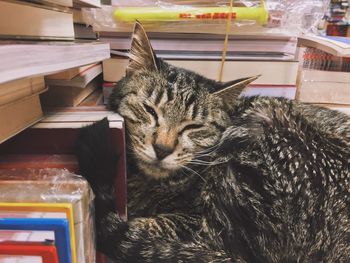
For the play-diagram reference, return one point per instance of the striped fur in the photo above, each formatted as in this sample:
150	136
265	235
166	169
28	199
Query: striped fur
217	178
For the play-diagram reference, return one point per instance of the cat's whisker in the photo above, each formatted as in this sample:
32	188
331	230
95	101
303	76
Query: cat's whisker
188	160
197	163
183	159
207	153
204	162
192	171
209	149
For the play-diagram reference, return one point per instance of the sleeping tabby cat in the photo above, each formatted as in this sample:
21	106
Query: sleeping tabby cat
218	178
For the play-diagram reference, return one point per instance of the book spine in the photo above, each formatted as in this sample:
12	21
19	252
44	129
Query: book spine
316	59
16	90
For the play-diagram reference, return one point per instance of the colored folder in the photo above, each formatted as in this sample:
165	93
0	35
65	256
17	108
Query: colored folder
54	186
59	226
47	251
46	207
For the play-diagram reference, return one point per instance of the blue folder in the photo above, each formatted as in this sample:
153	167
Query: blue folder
60	226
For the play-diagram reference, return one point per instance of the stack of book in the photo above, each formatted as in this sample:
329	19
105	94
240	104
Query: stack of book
29	50
19	105
325	74
71	87
42	19
273	57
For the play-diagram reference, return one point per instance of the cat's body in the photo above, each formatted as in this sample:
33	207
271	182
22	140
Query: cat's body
265	179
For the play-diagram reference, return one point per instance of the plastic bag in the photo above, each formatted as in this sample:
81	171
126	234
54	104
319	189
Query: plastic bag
289	17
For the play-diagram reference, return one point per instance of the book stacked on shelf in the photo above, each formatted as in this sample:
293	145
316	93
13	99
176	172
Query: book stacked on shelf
325	74
70	88
278	77
29	50
30	20
19	105
209	46
45	20
19	90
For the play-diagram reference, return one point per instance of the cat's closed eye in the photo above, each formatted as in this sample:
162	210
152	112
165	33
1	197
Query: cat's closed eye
151	111
192	126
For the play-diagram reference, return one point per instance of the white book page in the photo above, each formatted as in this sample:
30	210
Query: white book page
20	259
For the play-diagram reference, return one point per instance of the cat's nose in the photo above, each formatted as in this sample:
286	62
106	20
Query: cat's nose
162	151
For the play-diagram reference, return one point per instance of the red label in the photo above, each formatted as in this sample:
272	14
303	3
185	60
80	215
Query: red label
208	16
185	15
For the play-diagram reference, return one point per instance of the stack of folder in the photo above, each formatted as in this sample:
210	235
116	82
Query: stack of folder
45	216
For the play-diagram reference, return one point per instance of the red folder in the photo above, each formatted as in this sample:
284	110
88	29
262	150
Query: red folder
47	252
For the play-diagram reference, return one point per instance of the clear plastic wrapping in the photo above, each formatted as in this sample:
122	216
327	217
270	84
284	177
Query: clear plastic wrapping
323	78
248	16
55	186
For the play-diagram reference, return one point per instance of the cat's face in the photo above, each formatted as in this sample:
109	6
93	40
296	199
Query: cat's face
169	121
172	115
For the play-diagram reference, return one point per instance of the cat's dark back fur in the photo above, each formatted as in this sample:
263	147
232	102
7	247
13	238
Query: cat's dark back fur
291	183
217	178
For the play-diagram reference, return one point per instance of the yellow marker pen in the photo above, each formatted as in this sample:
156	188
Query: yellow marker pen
164	14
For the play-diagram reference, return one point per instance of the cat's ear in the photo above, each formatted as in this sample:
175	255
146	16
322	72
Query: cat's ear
141	53
229	91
